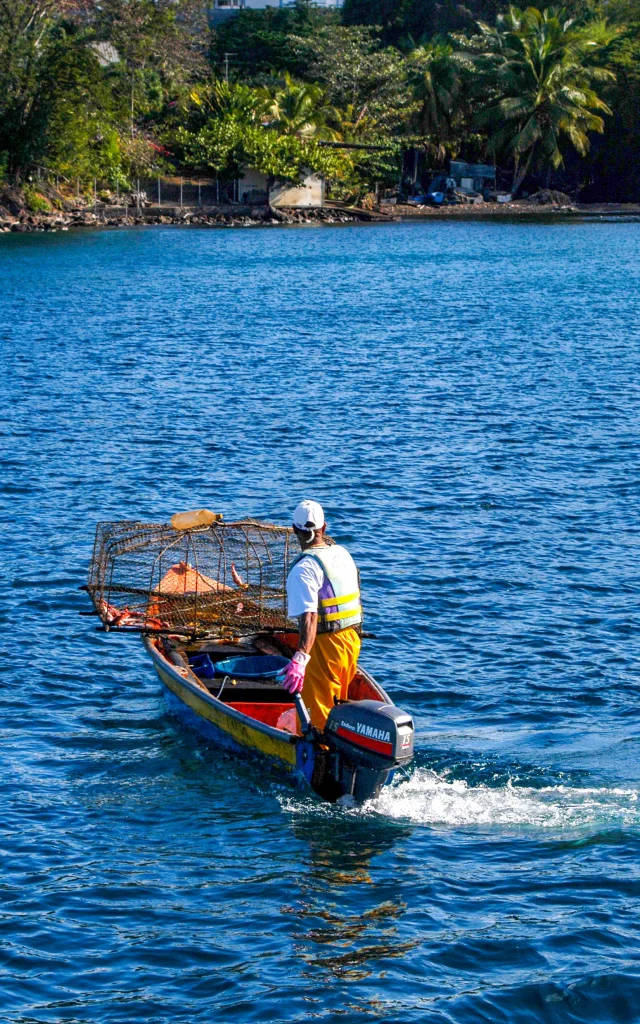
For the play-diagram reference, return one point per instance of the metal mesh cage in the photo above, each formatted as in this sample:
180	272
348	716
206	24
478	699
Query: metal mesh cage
227	579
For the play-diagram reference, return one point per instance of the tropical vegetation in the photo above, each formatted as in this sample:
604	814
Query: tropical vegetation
365	95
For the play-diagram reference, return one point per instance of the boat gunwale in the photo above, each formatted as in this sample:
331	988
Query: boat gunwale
375	684
199	690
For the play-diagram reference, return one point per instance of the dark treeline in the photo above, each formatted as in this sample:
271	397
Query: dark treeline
129	88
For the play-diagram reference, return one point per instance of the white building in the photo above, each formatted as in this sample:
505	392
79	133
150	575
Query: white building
223	9
254	187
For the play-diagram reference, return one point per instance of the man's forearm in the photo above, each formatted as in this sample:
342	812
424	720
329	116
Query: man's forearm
308	624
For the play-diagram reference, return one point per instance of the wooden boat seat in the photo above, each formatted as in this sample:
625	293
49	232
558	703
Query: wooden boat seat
247	691
258	691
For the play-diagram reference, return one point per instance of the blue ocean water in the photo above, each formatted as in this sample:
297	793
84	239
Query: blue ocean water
464	399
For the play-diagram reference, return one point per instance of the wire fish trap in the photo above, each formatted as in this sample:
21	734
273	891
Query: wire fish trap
212	580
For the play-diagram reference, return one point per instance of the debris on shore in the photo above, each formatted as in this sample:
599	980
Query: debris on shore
550	197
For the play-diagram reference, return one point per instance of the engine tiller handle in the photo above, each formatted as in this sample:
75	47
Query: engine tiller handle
303	714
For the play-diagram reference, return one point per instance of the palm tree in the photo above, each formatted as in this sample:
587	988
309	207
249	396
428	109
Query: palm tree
299	108
539	66
436	75
354	123
220	99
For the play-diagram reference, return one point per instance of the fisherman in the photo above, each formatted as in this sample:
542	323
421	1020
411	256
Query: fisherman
323	593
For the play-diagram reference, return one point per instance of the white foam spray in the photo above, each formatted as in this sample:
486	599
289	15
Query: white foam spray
430	799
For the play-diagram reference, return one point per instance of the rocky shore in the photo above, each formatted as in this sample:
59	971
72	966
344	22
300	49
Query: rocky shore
15	216
205	218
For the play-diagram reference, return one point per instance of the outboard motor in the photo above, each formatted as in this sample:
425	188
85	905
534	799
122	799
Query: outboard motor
367	740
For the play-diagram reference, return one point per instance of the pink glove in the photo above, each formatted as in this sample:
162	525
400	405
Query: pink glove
292	677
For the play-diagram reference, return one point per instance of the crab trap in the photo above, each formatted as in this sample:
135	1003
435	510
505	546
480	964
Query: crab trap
215	580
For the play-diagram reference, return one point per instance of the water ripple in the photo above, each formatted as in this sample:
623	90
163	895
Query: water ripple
463	399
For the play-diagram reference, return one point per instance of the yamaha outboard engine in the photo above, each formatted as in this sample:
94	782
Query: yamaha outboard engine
367	740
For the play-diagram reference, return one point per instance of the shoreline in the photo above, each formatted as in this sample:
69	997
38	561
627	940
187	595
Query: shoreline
330	215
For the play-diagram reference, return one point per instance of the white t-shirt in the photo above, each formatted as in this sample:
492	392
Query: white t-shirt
303	585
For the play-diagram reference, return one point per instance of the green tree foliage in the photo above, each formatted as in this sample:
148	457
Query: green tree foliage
80	138
366	84
52	91
276	131
25	29
403	19
159	44
441	79
225	146
260	41
540	67
97	90
613	169
220	100
353	67
299	108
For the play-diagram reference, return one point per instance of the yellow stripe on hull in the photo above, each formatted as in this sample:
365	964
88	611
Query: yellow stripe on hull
239	731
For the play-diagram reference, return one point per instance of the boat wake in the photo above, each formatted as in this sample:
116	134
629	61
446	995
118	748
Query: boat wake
428	798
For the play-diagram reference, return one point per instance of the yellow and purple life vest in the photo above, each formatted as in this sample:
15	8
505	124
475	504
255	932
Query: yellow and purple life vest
339	604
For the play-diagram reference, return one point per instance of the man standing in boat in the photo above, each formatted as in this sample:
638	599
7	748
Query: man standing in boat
323	593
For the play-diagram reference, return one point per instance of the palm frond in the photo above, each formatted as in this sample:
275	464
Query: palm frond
542	66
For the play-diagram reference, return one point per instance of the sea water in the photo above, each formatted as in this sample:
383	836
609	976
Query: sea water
464	400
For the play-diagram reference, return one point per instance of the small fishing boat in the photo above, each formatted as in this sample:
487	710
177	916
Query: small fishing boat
208	599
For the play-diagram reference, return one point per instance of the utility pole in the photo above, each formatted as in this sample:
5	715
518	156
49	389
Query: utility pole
226	64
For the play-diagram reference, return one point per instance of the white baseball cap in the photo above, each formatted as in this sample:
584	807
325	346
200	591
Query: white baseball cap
308	516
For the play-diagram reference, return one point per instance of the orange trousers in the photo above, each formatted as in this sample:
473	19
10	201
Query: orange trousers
334	658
